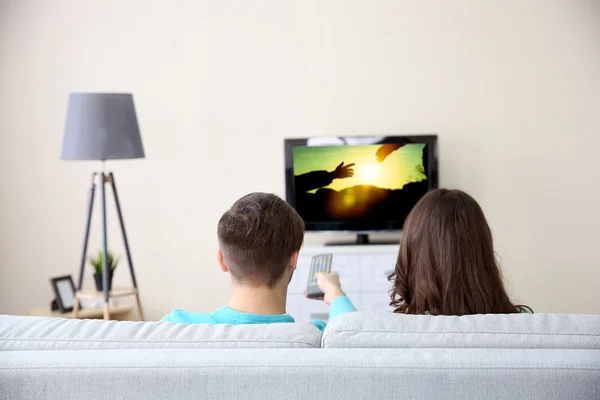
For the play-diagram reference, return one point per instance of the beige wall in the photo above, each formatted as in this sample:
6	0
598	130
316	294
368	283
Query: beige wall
512	87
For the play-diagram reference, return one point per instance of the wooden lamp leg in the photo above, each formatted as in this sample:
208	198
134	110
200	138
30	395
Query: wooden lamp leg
106	311
76	308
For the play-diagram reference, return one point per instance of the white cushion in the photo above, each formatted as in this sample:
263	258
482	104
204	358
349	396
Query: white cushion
34	333
516	331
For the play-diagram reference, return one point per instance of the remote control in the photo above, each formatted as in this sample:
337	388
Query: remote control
320	263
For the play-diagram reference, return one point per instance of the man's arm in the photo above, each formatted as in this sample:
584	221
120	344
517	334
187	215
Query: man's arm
318	179
312	180
329	283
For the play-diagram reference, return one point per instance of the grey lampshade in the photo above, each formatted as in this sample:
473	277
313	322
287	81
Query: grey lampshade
101	126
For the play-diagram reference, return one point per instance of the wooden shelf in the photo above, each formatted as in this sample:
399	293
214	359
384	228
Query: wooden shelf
119	312
94	294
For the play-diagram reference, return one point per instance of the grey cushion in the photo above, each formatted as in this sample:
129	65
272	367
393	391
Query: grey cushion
34	333
333	374
517	331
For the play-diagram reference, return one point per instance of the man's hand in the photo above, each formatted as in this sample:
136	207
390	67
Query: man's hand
343	171
329	283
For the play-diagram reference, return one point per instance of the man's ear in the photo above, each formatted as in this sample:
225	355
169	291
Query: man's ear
294	260
221	262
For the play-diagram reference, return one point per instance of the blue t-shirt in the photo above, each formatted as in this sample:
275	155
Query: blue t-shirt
226	315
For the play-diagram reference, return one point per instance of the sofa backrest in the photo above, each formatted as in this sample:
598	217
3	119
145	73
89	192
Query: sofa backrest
33	333
507	331
297	374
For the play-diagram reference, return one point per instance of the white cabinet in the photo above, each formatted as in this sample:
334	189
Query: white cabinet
363	272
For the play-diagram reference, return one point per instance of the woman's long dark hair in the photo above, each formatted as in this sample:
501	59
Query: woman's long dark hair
446	264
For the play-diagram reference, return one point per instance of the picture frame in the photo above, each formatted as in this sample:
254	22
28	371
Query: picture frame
64	290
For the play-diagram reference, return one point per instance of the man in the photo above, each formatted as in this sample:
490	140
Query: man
259	240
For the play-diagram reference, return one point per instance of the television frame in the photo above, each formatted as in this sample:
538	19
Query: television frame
430	163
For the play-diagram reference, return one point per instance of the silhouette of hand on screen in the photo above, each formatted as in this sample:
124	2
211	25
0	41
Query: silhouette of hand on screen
385	150
343	171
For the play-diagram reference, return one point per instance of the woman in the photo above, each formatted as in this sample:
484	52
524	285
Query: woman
446	264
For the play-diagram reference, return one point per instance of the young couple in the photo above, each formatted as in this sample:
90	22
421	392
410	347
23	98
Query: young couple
446	264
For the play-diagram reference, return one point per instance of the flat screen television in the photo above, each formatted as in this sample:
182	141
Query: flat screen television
359	184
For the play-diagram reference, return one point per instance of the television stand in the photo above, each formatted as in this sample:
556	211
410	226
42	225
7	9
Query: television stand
361	239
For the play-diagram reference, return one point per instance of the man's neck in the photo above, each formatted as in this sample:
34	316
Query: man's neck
258	300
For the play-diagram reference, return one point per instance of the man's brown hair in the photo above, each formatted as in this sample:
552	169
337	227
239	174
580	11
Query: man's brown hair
446	264
258	236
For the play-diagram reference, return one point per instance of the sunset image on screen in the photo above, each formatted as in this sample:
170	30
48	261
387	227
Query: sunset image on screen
400	167
345	182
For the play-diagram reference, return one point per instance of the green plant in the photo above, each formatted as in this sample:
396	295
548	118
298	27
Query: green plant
111	261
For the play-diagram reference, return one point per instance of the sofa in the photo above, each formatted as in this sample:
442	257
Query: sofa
359	356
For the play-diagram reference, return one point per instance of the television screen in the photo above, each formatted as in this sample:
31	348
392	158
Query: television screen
359	187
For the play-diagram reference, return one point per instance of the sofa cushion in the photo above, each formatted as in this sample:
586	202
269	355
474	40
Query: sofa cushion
33	333
516	331
299	374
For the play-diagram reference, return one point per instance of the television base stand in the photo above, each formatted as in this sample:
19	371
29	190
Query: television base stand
361	239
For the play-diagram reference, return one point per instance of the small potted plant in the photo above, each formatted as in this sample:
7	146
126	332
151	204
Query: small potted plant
111	262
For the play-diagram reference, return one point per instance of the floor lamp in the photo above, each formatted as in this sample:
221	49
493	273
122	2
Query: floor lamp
102	126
